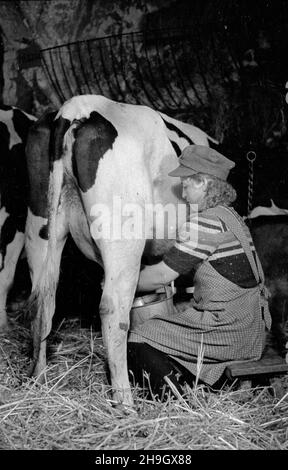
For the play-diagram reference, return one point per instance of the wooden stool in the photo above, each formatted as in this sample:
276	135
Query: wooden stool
269	365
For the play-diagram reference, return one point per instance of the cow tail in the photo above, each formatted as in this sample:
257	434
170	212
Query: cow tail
43	296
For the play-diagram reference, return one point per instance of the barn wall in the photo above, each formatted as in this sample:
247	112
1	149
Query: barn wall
231	110
244	112
49	23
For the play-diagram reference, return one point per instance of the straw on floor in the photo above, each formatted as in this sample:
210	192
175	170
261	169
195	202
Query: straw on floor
72	408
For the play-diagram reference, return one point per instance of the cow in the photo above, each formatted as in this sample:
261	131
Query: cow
14	126
93	151
263	211
269	229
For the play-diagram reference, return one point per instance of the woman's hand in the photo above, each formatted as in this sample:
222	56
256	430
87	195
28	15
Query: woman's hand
155	276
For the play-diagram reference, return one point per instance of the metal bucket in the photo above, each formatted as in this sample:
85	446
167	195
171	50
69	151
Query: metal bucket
147	306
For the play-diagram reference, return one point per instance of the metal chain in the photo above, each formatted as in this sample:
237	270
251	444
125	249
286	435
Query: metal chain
251	157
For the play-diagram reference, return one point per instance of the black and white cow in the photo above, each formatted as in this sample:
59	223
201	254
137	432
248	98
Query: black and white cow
98	151
269	229
14	126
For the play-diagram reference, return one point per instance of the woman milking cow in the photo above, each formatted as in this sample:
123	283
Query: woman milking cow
228	315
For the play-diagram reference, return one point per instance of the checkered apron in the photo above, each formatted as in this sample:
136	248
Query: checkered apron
225	322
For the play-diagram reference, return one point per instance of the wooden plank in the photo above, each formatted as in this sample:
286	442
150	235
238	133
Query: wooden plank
270	363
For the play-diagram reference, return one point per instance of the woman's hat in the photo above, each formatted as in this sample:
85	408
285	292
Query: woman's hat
202	159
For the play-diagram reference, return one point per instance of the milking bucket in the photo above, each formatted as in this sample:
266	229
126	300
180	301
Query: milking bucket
147	306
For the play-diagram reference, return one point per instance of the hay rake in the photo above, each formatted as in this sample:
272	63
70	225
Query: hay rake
164	69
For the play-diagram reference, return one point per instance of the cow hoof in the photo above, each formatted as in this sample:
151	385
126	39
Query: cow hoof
125	409
39	379
123	399
36	372
123	402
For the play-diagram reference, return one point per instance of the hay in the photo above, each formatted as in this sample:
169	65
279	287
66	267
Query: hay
73	410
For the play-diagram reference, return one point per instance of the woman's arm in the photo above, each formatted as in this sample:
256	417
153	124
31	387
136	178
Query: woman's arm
155	276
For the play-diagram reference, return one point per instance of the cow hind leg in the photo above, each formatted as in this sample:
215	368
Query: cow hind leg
7	273
45	310
44	264
122	265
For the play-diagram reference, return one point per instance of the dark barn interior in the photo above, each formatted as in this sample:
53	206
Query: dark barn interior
221	65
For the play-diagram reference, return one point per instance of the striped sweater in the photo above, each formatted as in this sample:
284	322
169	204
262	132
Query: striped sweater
206	237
